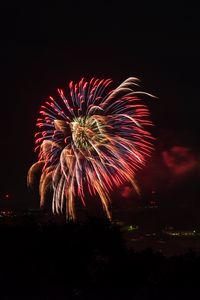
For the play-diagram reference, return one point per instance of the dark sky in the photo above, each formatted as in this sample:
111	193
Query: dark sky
43	47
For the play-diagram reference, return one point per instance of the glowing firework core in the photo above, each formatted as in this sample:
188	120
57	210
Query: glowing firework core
92	140
86	132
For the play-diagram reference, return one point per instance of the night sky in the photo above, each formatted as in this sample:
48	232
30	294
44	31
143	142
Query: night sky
43	47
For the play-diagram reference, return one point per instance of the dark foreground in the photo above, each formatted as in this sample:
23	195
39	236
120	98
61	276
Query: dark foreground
53	260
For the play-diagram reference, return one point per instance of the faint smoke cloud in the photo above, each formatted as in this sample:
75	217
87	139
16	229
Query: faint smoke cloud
126	191
180	160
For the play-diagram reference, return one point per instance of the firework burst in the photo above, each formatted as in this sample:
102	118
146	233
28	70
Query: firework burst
94	139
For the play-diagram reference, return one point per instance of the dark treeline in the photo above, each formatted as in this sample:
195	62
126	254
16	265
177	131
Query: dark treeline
88	261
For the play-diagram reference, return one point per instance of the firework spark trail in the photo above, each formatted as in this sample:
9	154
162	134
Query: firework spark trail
93	140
